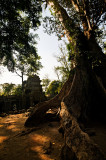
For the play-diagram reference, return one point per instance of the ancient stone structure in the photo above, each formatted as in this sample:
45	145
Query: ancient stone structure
8	103
32	93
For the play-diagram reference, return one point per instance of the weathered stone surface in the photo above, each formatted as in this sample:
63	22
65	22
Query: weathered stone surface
32	92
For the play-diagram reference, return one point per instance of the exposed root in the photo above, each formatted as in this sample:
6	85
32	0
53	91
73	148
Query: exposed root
77	141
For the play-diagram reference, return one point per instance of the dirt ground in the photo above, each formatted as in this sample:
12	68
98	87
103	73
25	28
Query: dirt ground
43	143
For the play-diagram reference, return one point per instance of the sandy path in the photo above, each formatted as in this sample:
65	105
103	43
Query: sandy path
43	144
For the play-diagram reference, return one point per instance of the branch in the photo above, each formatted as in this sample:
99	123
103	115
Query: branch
82	10
86	10
18	74
76	5
99	16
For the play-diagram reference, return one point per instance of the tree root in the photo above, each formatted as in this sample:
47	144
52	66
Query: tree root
77	141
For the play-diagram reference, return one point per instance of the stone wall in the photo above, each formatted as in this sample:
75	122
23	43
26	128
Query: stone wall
7	103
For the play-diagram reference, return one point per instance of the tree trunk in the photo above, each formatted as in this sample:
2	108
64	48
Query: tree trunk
86	98
99	58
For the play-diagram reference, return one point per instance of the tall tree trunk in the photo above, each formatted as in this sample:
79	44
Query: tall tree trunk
86	99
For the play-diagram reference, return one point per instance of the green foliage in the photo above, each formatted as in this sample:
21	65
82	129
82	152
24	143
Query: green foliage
63	70
7	89
16	19
54	88
52	25
11	89
17	90
45	83
28	66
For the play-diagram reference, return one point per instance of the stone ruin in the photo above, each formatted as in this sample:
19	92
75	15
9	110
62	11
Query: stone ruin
32	94
8	103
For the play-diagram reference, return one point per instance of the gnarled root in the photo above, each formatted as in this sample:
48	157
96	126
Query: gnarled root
77	142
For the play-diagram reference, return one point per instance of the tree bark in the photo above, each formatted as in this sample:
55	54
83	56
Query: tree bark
79	144
97	54
86	98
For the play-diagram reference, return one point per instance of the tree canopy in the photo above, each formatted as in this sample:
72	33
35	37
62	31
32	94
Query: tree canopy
16	20
54	88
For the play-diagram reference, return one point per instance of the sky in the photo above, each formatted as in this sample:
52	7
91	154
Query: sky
47	47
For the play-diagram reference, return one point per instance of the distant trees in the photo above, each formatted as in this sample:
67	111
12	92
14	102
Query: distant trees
11	89
45	83
53	88
7	89
63	69
17	90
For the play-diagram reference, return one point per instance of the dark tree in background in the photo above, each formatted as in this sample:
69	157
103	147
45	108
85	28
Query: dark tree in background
83	98
16	19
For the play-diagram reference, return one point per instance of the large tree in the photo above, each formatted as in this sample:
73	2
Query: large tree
82	99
